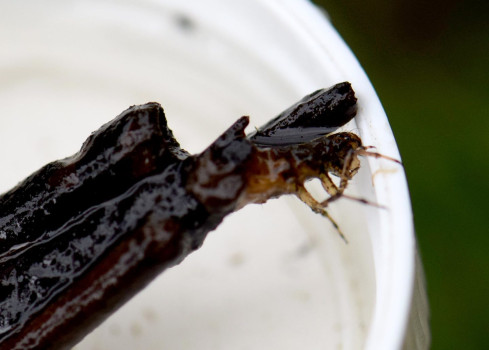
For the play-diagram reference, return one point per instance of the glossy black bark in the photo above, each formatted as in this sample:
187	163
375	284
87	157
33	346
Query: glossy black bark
317	114
82	235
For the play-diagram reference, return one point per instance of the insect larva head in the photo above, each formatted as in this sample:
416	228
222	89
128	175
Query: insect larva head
341	158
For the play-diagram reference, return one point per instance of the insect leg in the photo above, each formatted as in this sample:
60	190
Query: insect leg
318	208
328	184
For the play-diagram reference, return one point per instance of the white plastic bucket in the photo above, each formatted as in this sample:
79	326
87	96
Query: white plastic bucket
274	276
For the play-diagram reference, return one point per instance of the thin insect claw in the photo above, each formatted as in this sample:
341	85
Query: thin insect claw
336	226
324	213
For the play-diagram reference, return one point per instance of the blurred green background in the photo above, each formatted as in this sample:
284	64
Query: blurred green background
429	62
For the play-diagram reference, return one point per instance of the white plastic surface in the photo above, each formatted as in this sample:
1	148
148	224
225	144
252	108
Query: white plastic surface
274	276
